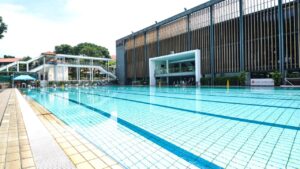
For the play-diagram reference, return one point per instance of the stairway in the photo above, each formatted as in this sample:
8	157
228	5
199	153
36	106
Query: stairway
37	64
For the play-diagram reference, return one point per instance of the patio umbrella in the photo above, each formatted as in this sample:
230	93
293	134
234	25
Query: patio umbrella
24	77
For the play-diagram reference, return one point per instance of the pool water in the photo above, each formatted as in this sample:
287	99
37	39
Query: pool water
148	127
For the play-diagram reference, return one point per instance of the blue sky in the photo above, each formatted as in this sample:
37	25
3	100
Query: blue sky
36	26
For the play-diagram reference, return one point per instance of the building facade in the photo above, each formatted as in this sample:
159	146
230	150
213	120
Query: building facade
255	36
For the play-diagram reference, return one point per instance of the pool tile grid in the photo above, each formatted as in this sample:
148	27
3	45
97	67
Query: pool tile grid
284	119
15	150
280	114
292	104
162	154
251	146
83	154
222	93
171	105
190	125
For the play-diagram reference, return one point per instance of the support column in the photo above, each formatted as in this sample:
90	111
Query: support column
281	46
92	71
134	59
157	42
167	71
212	52
18	68
242	63
63	69
145	54
197	68
167	66
152	79
78	71
189	42
55	73
27	67
44	69
107	77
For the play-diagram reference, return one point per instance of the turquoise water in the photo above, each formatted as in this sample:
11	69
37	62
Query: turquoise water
147	127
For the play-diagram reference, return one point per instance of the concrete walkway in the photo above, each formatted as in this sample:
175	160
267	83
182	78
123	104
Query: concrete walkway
32	137
46	152
15	151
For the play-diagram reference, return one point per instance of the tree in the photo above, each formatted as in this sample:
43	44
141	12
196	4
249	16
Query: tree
64	49
88	49
91	49
23	66
26	58
8	56
3	28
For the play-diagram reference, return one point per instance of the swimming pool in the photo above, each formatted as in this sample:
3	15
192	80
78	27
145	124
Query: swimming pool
148	127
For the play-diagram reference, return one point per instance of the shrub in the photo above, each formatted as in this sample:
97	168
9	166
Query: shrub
222	81
242	78
276	76
205	81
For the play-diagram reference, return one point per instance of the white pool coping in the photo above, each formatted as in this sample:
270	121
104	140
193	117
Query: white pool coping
46	152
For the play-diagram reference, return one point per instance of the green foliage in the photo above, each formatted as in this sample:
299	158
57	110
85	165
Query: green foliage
26	58
5	78
242	78
3	28
91	49
205	81
112	63
8	56
222	81
64	49
276	76
88	49
293	75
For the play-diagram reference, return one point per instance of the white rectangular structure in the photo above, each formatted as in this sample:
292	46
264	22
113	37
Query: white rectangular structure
155	63
262	82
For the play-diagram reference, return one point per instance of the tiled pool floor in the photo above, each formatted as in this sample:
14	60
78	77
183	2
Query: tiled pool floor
83	154
142	127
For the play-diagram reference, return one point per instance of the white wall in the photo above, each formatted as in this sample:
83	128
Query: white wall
62	74
152	73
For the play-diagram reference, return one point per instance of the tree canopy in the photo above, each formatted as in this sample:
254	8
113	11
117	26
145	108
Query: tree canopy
88	49
64	49
26	58
3	28
8	56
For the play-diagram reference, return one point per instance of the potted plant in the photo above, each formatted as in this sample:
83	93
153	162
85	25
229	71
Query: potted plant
276	76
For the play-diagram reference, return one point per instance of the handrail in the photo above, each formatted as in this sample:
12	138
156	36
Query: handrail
8	66
94	66
40	66
289	81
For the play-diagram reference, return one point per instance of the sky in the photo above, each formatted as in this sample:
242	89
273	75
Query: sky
36	26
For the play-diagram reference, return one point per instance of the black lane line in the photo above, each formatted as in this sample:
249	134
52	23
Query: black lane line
212	101
203	94
204	113
180	152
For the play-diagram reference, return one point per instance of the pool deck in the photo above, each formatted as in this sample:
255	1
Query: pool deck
26	128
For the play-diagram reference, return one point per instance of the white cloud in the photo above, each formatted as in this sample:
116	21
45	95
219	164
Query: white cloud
100	22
